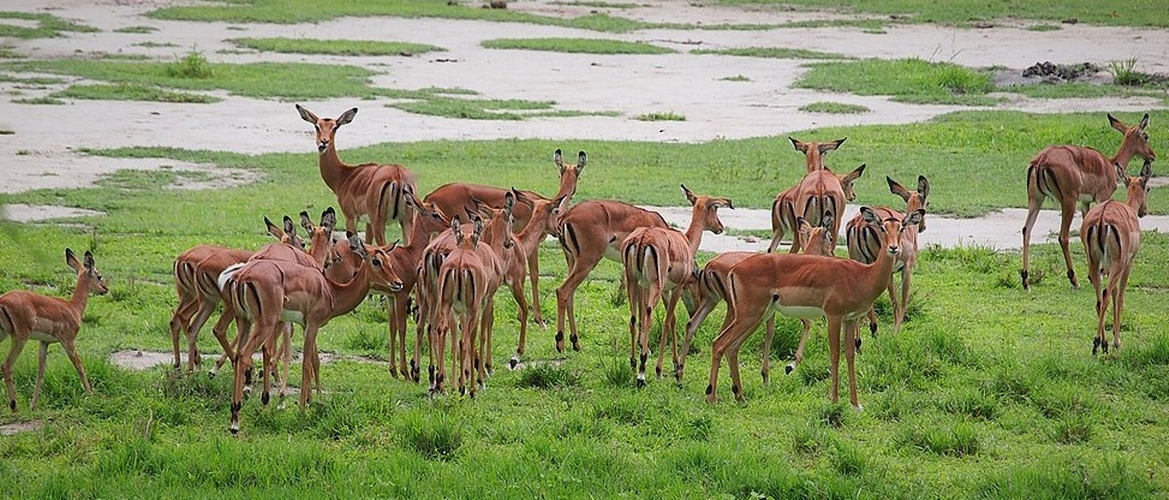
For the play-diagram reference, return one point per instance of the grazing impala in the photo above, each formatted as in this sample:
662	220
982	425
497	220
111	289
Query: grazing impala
265	293
367	190
28	316
1111	233
712	290
1070	174
659	264
515	259
463	280
784	212
807	286
459	197
864	244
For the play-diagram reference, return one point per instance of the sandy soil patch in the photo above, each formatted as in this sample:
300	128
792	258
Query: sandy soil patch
139	360
20	427
20	212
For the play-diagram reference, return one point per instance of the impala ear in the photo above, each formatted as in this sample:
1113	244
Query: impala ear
355	244
306	222
522	198
71	260
89	261
897	189
826	222
329	218
581	159
914	218
869	216
1144	122
509	201
689	195
273	229
851	177
801	147
346	117
1146	172
923	187
1121	175
478	231
802	225
307	115
455	224
1117	124
289	226
830	146
558	160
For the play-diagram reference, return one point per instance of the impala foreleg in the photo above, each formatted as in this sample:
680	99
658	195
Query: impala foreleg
1065	224
851	328
1034	203
42	356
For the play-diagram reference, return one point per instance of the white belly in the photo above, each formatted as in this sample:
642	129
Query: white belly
800	311
612	253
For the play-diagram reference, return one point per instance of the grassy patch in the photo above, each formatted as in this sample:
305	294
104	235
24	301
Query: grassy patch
599	5
736	78
577	45
132	92
1044	27
33	80
155	45
48	26
136	29
911	79
334	47
39	100
772	53
834	108
668	116
485	109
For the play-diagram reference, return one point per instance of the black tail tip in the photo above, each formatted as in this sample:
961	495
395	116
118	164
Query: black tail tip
512	363
787	370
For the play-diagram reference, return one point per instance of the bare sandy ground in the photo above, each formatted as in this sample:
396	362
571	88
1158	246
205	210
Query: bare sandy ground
41	151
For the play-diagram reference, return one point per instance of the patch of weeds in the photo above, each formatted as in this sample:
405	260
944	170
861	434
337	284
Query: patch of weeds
1124	72
698	428
48	26
433	434
547	376
736	78
334	47
617	372
1072	429
132	92
834	108
811	440
622	410
847	460
661	117
136	29
772	53
972	403
155	45
193	65
832	414
957	440
1044	27
39	100
577	46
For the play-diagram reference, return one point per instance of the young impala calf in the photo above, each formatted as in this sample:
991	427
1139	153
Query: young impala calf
864	244
659	264
807	286
1070	174
28	316
367	190
1111	233
711	287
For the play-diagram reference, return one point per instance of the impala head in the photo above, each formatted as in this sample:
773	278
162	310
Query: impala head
913	199
427	215
709	207
1138	188
817	239
287	234
501	222
463	237
321	237
326	127
569	174
1136	140
891	229
381	273
814	152
88	277
848	179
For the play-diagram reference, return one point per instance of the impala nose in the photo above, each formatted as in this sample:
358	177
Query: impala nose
322	146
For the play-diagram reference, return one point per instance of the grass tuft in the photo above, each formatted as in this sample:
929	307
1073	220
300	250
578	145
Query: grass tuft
669	116
193	65
547	376
577	46
835	108
434	435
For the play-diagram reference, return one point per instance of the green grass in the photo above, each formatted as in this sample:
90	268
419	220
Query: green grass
967	13
1044	27
131	92
577	45
772	53
48	26
600	5
986	392
736	78
155	45
334	47
488	109
136	29
39	100
668	116
833	108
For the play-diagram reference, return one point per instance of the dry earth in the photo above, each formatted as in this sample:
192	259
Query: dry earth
40	151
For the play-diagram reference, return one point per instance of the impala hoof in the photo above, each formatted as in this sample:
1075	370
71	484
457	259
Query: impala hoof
513	362
640	380
234	429
787	370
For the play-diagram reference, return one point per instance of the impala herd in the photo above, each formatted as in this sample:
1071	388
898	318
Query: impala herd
462	242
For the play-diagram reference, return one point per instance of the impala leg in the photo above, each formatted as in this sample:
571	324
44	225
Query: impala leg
733	333
1034	203
392	328
1094	276
645	316
307	363
179	322
768	335
42	355
850	333
534	275
705	306
873	321
565	306
635	321
219	330
266	356
776	236
893	303
242	363
1065	223
906	277
799	356
18	341
517	292
834	325
671	323
204	312
486	364
1118	304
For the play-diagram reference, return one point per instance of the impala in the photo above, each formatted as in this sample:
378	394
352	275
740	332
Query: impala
589	231
822	193
28	316
264	293
459	197
784	212
1111	234
515	259
659	264
807	286
367	190
1070	174
712	290
864	244
814	151
462	293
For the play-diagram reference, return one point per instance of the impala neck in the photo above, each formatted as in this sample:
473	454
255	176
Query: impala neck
694	232
533	233
1123	157
346	296
80	295
333	170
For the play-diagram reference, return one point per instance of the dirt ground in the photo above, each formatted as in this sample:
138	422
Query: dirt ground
40	150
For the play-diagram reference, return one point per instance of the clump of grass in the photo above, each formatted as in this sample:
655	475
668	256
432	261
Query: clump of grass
811	440
48	26
39	100
847	460
193	65
661	117
617	372
132	92
155	45
577	46
832	414
1072	429
833	108
908	80
973	403
433	434
136	29
1124	72
1044	27
334	47
736	78
547	376
772	53
368	341
957	440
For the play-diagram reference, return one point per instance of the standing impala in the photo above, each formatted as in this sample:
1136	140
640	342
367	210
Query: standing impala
459	197
784	212
864	244
366	190
807	286
28	316
1111	233
1070	174
515	259
265	293
712	290
659	264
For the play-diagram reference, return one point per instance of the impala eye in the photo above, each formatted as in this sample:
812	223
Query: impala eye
377	262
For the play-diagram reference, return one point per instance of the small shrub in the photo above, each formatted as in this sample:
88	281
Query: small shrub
194	65
1124	72
661	117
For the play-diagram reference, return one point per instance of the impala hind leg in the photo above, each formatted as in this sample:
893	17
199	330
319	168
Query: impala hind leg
834	325
1094	276
1118	306
1068	211
806	325
851	328
42	355
1034	203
